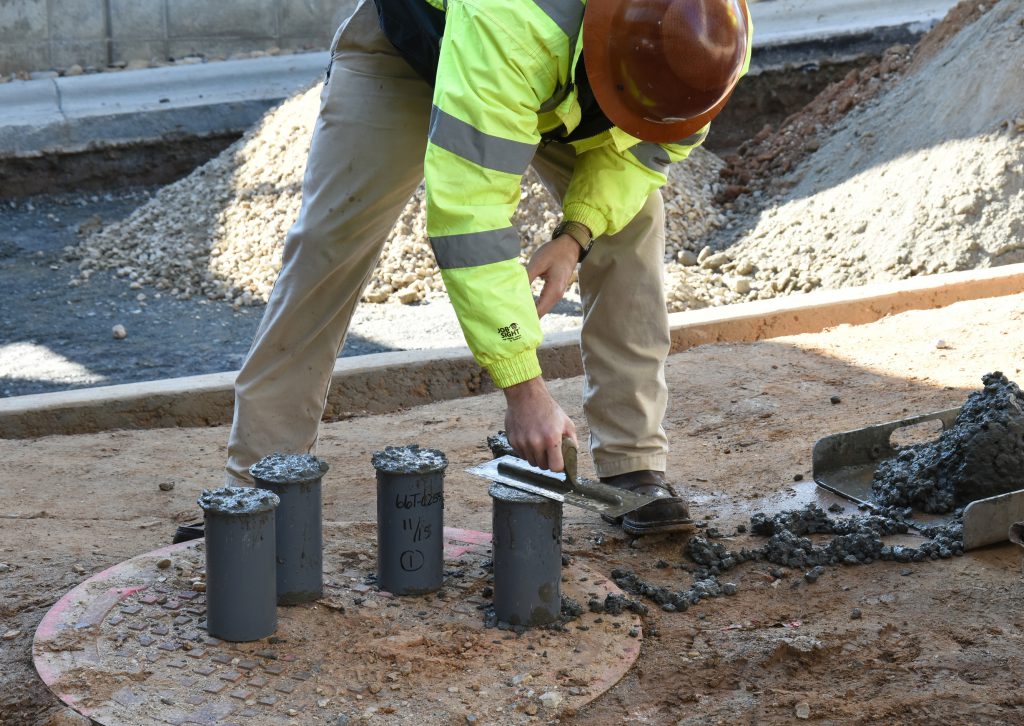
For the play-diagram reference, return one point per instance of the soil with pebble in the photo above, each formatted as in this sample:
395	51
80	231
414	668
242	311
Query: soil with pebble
893	631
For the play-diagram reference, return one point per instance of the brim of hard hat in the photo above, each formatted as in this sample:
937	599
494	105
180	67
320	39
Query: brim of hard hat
597	23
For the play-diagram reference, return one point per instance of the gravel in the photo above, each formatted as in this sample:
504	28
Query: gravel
831	199
218	233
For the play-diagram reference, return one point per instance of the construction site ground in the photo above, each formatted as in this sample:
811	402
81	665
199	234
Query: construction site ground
886	643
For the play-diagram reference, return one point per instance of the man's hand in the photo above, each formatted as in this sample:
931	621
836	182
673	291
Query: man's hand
535	424
553	262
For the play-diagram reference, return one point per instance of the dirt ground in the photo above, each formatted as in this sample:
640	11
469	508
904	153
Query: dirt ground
936	642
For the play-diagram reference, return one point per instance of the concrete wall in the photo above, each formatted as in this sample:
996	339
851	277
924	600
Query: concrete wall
39	35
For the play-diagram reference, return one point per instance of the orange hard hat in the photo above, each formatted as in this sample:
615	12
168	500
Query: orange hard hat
662	69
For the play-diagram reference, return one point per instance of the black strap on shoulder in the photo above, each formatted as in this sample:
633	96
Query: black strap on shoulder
415	28
592	118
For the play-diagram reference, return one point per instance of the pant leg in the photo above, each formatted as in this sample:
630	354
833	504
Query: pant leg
625	338
365	161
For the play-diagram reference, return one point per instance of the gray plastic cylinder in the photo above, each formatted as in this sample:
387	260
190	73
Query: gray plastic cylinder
296	480
241	594
527	542
410	519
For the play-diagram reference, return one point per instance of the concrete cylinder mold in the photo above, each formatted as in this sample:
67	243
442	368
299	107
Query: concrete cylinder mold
241	594
410	519
527	541
296	480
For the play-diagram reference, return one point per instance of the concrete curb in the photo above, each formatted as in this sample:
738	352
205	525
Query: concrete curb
79	113
388	382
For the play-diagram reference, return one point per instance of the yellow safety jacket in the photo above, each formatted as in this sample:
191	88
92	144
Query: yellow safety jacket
506	77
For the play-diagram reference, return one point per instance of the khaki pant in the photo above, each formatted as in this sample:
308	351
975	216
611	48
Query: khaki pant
365	161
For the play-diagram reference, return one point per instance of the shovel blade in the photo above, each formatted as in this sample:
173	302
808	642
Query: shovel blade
593	496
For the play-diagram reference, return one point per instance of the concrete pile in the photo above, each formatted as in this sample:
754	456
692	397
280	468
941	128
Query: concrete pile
981	455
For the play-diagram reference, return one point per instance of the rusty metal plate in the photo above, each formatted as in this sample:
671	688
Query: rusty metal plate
128	646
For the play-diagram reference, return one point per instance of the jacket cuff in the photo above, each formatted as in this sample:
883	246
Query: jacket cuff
510	371
585	214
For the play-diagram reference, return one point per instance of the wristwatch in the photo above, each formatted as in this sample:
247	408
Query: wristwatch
578	232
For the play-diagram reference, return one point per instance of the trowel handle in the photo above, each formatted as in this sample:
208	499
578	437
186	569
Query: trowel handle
570	456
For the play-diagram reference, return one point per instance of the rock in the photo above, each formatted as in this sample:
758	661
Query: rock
802	710
941	344
163	564
119	332
166	486
739	285
551	699
11	634
855	614
78	569
687	258
530	709
704	253
75	70
745	268
834	400
814	573
715	261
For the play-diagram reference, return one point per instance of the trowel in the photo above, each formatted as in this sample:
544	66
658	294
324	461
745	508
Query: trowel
565	487
845	464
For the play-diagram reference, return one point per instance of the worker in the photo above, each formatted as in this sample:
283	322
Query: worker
467	94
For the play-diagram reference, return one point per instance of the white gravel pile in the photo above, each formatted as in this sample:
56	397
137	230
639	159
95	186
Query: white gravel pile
928	177
219	232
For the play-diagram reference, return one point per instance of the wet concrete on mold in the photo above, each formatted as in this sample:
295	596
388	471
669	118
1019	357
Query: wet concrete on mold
409	459
288	468
237	500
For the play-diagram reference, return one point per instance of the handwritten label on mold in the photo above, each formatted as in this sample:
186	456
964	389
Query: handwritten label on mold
415	526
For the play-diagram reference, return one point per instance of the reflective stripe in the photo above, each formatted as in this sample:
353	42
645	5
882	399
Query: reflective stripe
491	152
652	156
566	14
476	248
693	139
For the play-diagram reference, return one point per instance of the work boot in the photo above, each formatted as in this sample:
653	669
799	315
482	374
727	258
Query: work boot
669	514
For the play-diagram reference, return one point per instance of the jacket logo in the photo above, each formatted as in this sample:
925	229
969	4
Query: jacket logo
510	332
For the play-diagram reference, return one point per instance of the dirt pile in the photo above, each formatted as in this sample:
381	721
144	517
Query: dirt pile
980	455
